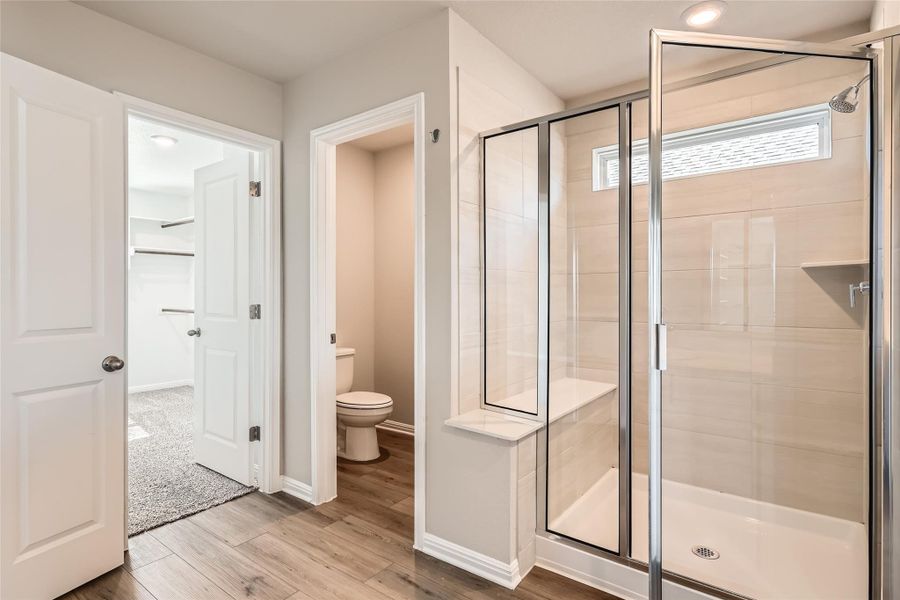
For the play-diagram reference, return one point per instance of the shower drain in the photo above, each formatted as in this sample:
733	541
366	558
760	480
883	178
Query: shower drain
705	552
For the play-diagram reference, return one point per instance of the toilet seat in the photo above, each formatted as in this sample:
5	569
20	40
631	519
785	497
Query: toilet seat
364	400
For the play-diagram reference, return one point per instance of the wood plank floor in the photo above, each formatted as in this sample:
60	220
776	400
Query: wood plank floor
276	547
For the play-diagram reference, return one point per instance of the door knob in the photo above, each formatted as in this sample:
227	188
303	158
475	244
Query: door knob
194	332
112	363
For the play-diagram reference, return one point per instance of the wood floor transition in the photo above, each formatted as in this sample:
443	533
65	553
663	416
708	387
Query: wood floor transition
276	547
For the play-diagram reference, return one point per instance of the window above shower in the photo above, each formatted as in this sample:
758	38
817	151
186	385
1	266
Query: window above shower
791	136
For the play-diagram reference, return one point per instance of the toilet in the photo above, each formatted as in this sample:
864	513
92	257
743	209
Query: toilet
358	413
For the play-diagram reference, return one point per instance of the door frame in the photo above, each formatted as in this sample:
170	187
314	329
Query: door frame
265	373
322	298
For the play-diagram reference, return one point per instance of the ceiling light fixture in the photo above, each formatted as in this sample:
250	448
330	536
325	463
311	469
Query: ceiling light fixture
703	14
164	141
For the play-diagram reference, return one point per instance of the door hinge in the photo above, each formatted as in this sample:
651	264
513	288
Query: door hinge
255	311
254	433
334	338
255	189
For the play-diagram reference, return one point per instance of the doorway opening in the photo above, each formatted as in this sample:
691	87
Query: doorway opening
197	374
374	307
367	299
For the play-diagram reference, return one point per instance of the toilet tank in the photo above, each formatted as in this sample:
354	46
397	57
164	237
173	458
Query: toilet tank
344	369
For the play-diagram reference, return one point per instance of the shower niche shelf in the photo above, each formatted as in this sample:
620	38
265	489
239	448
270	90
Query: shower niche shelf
853	262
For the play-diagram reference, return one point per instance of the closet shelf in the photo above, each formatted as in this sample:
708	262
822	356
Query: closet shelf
177	222
853	262
177	311
160	251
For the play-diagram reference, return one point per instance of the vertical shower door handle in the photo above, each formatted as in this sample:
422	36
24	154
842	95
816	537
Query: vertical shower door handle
661	347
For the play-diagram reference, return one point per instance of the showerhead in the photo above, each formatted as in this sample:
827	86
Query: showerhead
846	101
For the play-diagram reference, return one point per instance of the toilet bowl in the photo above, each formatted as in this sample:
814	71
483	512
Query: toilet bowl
357	413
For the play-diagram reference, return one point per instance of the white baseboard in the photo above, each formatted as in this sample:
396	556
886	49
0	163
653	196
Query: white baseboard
476	563
151	387
297	489
397	427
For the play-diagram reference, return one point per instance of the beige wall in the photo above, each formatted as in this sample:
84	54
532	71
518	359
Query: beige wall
375	261
394	279
354	261
108	54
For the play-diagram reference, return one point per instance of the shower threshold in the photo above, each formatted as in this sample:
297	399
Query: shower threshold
765	551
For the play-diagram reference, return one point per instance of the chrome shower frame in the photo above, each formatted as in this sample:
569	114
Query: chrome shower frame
884	123
784	49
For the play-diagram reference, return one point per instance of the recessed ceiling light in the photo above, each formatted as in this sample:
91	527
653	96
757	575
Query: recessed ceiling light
164	141
703	14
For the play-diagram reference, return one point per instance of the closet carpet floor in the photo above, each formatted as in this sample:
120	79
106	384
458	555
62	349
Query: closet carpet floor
164	483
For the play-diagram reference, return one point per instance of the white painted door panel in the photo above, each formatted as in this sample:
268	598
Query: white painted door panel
62	309
221	312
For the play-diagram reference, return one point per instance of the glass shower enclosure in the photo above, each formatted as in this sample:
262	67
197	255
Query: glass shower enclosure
683	285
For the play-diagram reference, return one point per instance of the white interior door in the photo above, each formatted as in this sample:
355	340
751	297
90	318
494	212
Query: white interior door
221	315
62	311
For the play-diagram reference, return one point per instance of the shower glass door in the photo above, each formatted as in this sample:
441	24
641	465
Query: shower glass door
754	438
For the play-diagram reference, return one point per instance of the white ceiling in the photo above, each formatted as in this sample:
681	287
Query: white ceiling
279	40
383	140
167	170
594	46
574	47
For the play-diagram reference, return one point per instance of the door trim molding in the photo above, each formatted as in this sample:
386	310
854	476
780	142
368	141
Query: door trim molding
323	142
266	372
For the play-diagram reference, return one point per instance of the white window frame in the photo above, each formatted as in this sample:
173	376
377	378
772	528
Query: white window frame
818	114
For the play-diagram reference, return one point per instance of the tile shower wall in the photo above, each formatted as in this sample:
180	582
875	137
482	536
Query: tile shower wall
765	394
512	249
511	264
511	254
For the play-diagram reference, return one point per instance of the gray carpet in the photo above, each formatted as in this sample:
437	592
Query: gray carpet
164	484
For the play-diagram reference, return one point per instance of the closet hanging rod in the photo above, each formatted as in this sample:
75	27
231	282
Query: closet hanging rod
162	252
177	222
177	311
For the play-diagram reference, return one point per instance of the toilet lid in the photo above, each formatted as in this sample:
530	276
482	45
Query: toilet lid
364	400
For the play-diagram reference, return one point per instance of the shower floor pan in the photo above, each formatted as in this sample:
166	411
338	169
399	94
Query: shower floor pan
763	550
